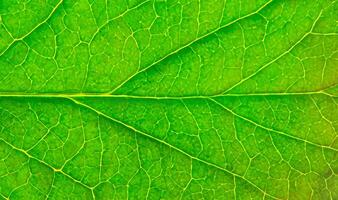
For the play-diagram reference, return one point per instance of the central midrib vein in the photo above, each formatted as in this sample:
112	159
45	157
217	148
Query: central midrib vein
104	95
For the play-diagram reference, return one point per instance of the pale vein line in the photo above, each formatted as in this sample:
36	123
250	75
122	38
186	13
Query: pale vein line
117	17
188	44
102	95
270	129
36	27
3	196
278	57
167	144
46	164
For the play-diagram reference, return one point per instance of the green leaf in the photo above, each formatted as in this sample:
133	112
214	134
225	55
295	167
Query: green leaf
176	99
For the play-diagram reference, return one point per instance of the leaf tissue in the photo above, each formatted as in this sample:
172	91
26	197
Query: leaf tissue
169	99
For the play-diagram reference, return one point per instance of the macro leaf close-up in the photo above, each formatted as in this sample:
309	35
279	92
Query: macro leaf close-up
169	99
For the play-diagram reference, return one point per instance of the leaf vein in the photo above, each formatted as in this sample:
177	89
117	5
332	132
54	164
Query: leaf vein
271	129
169	145
187	45
35	28
46	164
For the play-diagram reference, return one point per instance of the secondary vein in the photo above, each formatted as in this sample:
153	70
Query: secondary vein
169	145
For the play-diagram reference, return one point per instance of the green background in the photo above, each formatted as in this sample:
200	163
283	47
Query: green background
168	99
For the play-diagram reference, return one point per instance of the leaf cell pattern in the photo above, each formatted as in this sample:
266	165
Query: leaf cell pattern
173	99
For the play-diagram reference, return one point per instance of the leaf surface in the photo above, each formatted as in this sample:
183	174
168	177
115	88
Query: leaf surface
148	99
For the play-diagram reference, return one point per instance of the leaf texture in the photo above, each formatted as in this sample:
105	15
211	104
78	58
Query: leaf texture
175	99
